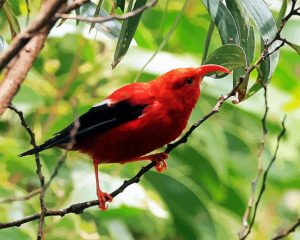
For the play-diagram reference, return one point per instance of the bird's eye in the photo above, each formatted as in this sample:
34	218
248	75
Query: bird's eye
189	80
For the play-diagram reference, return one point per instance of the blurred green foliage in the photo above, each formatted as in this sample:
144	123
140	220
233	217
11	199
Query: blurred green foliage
205	190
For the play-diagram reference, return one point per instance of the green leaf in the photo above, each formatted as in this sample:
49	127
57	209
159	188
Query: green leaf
247	42
14	233
230	56
96	13
201	170
223	20
245	30
12	19
264	20
185	207
294	46
262	77
250	48
281	12
129	27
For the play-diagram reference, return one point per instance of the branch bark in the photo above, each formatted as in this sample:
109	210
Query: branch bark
27	46
43	18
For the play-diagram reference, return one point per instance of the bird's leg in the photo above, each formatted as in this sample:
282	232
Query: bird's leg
103	197
158	158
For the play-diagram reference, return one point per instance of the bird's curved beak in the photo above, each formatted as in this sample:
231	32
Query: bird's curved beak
209	68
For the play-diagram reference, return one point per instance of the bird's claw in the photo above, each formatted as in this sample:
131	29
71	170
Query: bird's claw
103	197
160	163
161	166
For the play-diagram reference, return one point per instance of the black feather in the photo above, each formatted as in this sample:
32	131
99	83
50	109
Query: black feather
97	120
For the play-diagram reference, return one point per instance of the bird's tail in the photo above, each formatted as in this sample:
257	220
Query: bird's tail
32	151
52	142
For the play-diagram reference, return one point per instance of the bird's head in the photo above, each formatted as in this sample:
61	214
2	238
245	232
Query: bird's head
184	83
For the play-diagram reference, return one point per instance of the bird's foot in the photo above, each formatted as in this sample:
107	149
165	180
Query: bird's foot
159	159
103	197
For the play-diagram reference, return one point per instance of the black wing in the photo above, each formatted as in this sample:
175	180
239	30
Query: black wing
97	120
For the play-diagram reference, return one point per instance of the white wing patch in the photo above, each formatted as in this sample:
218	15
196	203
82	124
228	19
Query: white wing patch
105	102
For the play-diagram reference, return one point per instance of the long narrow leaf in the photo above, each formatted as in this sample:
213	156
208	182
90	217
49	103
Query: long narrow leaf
264	20
96	13
129	27
281	12
247	42
223	20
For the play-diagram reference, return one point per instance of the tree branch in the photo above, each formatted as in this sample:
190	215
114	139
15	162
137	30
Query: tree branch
26	47
264	180
110	17
288	231
38	170
259	167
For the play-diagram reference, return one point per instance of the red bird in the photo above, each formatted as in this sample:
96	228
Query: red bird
133	121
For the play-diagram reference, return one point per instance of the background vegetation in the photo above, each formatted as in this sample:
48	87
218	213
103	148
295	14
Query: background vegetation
205	190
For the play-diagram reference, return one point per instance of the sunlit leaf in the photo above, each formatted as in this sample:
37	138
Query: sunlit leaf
223	20
129	27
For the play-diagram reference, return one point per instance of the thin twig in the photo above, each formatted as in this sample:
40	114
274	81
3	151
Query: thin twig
110	17
288	231
259	166
38	170
264	180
